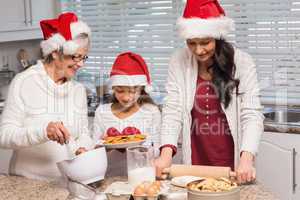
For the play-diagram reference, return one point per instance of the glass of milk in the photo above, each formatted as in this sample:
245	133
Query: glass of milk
140	165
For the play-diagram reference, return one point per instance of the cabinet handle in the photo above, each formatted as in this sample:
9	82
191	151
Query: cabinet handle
294	170
30	7
25	11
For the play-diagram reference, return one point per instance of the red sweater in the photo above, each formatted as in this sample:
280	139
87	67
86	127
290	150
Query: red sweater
211	140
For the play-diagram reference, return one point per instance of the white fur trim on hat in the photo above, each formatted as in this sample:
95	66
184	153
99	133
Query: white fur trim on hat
149	88
189	28
78	28
70	47
128	80
57	40
52	44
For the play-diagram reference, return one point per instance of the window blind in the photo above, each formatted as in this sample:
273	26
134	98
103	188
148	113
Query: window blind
269	30
145	27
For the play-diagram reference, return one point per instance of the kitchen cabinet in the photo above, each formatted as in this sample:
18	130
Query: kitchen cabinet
42	9
5	156
19	19
278	164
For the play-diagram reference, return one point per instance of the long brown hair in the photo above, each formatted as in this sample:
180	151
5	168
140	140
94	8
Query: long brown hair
223	71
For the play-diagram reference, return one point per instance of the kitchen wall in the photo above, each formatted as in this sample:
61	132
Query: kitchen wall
8	55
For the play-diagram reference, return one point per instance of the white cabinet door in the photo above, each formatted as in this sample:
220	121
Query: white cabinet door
13	15
276	165
41	9
5	156
19	19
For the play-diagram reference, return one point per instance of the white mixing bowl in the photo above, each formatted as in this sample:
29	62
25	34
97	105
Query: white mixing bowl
87	167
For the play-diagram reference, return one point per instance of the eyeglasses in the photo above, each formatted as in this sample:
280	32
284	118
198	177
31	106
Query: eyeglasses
78	58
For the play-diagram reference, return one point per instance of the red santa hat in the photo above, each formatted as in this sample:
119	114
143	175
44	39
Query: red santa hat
60	32
130	69
204	18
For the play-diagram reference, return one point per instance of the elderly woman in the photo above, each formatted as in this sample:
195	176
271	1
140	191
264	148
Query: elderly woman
212	96
45	108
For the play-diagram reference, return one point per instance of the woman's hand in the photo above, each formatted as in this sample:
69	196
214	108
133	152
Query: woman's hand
56	131
163	161
80	150
246	171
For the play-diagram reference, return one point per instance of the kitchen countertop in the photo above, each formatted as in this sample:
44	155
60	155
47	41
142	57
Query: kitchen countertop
282	128
19	188
282	119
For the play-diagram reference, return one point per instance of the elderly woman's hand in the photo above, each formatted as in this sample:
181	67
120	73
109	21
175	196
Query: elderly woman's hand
246	171
56	131
80	150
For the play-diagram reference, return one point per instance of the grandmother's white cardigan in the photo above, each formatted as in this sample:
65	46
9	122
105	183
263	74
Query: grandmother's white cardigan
33	101
243	113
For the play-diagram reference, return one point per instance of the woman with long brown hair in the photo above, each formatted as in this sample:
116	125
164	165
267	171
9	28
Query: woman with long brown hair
212	96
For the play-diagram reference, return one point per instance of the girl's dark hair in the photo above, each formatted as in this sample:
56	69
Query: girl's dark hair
223	71
143	99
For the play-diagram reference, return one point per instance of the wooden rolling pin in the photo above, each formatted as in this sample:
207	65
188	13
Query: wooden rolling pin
198	170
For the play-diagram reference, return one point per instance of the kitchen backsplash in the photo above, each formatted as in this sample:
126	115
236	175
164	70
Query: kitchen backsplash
8	58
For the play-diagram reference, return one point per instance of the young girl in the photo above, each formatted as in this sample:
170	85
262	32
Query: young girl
132	110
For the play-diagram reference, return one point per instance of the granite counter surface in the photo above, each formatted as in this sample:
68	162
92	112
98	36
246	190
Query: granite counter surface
282	128
19	188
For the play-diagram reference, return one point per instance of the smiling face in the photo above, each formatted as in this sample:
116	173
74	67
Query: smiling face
68	65
65	65
202	48
127	96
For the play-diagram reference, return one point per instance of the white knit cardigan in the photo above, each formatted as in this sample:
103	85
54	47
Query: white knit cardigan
243	113
33	101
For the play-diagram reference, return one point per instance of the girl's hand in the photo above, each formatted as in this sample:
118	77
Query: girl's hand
103	137
56	131
246	171
163	161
